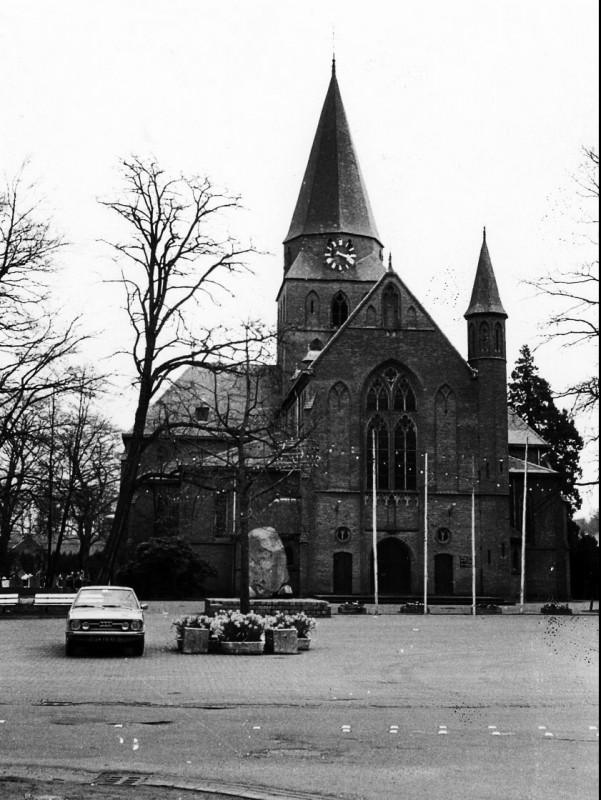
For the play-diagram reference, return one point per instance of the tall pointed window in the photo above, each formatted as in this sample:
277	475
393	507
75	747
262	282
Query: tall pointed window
390	407
340	309
391	307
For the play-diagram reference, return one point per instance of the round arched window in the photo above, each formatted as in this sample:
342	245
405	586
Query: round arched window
343	534
443	536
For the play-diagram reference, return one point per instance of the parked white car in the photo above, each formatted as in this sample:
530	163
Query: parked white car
106	615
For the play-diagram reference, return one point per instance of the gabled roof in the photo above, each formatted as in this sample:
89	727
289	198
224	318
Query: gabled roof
519	431
300	377
223	391
333	197
485	294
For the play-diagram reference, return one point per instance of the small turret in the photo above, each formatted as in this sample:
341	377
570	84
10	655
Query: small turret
485	314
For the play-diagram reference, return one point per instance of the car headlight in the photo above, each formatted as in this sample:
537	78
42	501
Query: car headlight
136	625
75	624
85	626
125	626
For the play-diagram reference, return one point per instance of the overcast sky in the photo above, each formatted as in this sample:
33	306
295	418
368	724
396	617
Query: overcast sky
464	114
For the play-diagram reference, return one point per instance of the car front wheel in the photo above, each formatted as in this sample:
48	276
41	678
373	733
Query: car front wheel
69	649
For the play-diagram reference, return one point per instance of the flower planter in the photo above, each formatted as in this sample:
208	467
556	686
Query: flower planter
242	648
281	641
413	610
195	640
489	610
303	643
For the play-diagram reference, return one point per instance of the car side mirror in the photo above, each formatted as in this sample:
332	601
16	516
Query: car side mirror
144	606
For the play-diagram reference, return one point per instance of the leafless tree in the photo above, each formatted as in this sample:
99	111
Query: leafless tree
77	485
576	296
27	249
245	441
34	345
172	262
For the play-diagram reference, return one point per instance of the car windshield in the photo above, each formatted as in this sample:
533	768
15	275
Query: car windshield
105	598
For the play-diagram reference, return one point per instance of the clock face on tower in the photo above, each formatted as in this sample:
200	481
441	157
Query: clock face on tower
340	254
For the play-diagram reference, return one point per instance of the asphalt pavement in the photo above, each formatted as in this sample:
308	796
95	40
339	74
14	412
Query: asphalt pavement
389	706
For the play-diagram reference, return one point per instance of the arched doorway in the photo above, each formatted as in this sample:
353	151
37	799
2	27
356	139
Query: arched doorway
443	574
394	567
343	573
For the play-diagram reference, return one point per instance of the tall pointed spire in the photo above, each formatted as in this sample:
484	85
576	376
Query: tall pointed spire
485	294
333	197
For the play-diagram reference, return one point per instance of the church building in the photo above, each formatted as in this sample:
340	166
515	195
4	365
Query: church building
406	434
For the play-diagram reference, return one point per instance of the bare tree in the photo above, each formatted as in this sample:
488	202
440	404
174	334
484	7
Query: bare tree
244	440
172	261
80	472
576	295
27	249
34	345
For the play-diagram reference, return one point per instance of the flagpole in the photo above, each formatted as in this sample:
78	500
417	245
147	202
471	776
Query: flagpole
523	564
373	519
473	547
426	534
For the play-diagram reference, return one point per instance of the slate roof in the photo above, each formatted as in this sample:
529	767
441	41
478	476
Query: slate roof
333	196
520	430
221	391
485	294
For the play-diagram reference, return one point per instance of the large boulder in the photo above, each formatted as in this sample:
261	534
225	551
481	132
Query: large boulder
268	563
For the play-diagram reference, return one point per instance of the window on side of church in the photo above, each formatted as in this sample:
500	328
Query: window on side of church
340	309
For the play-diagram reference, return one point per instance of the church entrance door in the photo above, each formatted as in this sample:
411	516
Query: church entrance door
394	567
443	574
343	573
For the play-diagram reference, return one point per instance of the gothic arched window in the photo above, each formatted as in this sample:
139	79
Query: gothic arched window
312	309
391	307
391	431
484	338
340	309
472	340
499	338
405	454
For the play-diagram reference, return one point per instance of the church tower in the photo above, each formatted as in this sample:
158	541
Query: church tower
487	356
332	252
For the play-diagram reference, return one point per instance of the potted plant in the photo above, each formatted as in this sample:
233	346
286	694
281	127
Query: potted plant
239	634
281	636
304	626
555	609
192	633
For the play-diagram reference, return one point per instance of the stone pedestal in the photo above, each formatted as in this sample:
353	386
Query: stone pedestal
281	641
195	640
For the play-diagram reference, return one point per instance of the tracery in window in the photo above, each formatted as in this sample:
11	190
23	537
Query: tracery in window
391	431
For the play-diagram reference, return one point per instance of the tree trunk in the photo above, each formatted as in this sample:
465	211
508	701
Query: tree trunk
127	487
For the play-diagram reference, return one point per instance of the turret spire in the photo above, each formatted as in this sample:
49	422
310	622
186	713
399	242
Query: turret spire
485	294
333	197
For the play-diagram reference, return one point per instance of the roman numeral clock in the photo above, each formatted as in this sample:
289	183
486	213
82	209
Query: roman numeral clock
340	254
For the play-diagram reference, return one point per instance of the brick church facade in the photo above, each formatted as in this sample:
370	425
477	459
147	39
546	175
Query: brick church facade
404	429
